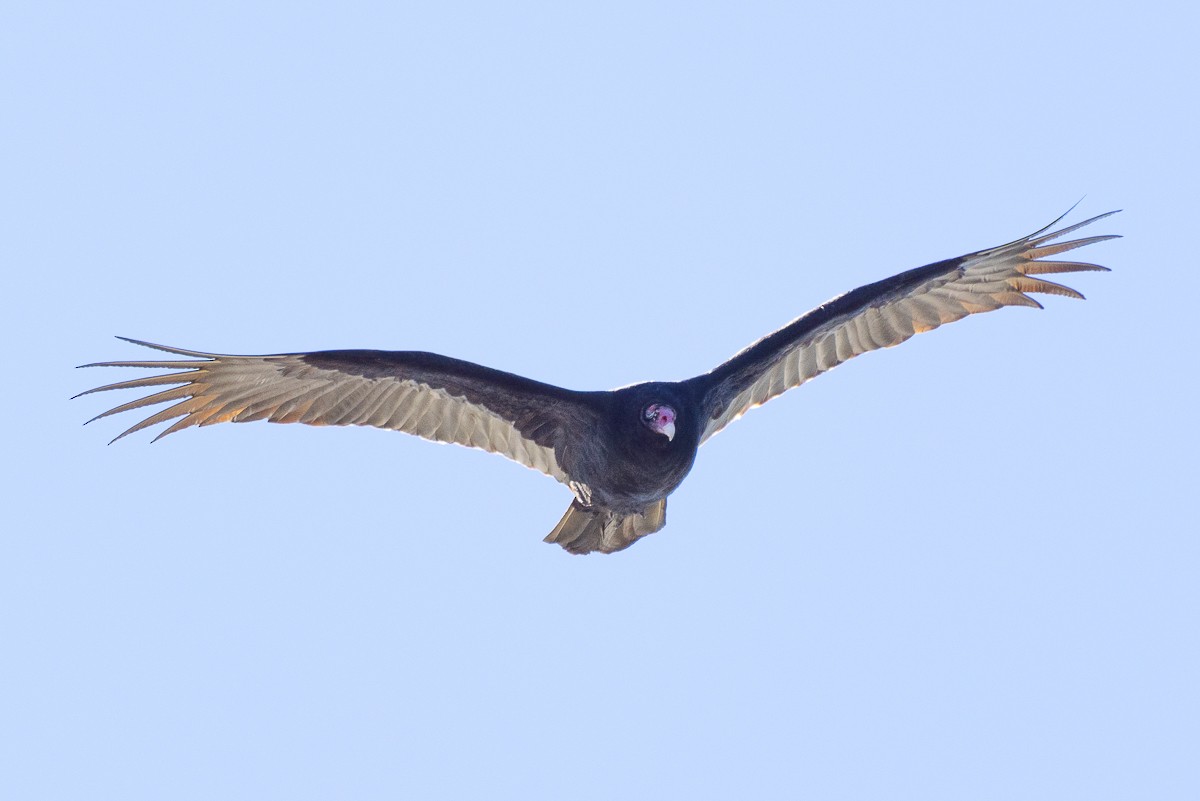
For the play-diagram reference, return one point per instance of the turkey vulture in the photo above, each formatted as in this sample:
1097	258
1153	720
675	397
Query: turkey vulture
621	452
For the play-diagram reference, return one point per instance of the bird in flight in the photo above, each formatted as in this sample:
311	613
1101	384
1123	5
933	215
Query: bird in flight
621	452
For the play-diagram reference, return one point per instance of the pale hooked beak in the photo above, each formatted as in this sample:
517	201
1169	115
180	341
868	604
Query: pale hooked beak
663	421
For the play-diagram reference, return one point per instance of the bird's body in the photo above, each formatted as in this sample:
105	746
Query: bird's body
622	452
630	466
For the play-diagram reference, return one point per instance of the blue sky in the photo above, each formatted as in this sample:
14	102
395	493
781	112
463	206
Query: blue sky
961	568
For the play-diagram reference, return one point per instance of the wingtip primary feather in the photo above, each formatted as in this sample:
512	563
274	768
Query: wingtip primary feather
1055	221
169	349
1046	235
1032	249
198	357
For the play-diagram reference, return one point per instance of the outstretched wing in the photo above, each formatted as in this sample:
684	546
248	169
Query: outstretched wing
887	313
431	396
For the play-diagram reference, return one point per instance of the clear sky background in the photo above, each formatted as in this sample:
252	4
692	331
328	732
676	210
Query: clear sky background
962	568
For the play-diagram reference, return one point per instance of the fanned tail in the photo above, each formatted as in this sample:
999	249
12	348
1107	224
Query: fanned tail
584	529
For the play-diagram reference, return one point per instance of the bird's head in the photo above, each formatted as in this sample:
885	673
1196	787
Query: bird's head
660	418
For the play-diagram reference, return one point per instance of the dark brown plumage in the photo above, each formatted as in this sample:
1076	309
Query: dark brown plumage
621	452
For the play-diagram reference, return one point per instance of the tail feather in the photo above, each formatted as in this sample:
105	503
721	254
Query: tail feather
584	529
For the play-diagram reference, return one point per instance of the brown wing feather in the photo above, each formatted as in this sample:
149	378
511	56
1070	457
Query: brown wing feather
430	396
887	313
